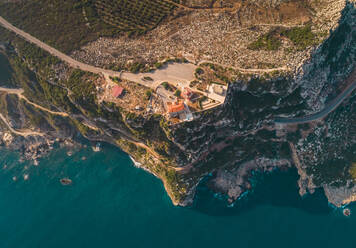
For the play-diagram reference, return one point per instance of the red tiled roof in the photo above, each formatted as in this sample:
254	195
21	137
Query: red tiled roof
174	108
117	91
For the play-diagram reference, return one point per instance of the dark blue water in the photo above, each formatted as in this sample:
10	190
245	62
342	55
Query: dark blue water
113	204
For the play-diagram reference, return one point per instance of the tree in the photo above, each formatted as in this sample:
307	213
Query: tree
148	94
177	93
165	85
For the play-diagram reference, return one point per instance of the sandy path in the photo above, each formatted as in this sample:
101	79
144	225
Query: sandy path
19	93
24	133
242	70
215	9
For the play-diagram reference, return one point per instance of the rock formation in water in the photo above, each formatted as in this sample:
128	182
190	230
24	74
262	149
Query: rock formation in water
227	142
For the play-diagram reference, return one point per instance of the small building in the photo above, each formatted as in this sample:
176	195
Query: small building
187	94
175	108
117	91
219	89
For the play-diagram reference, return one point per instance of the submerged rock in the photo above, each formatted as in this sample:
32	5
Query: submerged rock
346	212
66	181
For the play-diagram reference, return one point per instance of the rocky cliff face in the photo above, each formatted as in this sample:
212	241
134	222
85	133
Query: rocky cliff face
228	142
327	149
324	76
241	136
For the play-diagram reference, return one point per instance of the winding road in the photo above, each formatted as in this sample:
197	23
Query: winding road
175	73
327	110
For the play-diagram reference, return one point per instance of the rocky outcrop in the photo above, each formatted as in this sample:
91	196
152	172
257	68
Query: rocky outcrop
323	154
228	142
305	181
340	196
234	182
321	78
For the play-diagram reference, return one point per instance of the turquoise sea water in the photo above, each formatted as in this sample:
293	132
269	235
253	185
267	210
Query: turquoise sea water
113	204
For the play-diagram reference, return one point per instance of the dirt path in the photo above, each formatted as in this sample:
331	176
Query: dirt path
142	145
181	170
24	133
243	70
19	93
215	9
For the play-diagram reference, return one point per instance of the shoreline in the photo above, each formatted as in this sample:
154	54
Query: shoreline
190	196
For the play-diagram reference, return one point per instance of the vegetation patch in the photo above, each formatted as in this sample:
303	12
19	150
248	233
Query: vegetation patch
133	16
177	93
148	94
268	42
66	25
353	171
302	37
169	87
136	67
147	78
199	71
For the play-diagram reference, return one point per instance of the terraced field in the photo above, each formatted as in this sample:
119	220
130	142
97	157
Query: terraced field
136	16
70	24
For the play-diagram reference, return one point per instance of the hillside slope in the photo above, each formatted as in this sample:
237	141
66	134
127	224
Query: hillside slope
223	144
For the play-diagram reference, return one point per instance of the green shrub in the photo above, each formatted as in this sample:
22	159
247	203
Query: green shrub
70	24
177	93
352	171
165	85
199	71
148	94
266	42
302	37
158	65
147	78
136	67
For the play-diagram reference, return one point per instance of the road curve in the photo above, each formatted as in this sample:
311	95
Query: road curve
323	113
161	76
51	50
172	73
